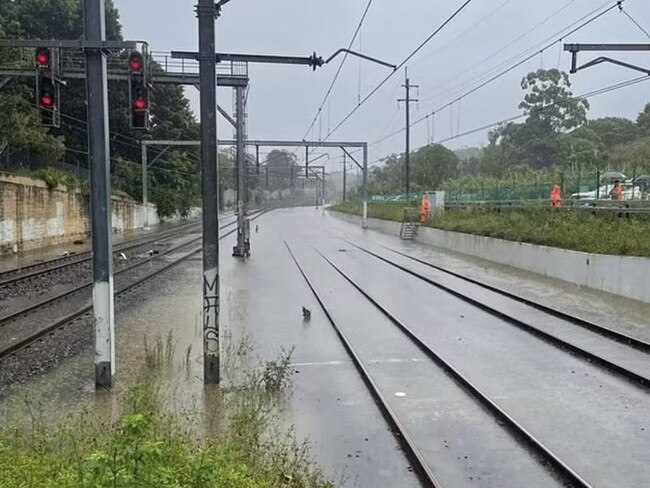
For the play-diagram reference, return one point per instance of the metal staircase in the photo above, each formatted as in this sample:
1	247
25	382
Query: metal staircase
410	225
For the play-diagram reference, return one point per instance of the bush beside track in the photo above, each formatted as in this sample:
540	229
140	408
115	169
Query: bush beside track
567	229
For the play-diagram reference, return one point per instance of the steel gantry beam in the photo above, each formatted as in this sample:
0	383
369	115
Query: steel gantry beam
574	49
290	143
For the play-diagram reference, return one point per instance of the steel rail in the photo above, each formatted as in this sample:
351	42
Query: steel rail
25	343
592	358
490	405
591	326
82	257
413	454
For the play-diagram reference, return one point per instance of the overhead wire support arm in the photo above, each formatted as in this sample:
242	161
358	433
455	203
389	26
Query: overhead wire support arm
352	158
574	49
314	61
362	56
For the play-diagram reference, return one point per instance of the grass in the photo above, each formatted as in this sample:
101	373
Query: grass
149	448
574	230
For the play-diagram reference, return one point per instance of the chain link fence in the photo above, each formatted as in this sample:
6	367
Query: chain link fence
589	186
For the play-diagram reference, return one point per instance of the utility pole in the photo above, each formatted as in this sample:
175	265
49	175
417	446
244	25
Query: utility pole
207	13
345	181
408	100
241	249
100	201
145	187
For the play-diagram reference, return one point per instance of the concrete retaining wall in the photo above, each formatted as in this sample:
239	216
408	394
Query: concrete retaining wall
621	275
31	216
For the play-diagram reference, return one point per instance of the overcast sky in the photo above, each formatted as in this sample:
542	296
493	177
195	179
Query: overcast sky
284	99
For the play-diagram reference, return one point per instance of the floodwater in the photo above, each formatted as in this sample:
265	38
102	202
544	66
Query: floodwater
12	261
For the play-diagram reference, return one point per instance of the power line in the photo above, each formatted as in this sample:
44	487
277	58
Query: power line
514	41
535	50
586	96
501	73
465	32
634	22
338	72
406	60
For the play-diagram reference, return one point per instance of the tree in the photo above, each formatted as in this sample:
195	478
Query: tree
613	131
432	165
643	121
549	102
170	110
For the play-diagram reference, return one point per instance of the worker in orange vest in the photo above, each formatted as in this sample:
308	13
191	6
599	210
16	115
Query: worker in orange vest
426	208
556	196
617	191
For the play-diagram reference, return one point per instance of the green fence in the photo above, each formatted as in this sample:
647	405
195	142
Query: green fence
583	186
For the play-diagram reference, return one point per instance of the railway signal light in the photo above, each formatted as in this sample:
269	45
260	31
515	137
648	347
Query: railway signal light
43	58
136	63
47	88
138	92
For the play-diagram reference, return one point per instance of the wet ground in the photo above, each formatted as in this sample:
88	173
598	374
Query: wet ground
12	261
598	422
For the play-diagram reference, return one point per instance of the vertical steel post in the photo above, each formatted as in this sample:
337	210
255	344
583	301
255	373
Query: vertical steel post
100	201
306	161
408	136
323	186
345	179
257	160
240	250
365	186
145	186
207	13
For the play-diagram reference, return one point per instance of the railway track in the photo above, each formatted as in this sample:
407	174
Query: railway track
591	326
51	326
41	268
564	472
605	347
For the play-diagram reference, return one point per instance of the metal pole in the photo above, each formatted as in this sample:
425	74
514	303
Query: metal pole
145	187
206	13
100	201
365	186
257	159
408	135
345	180
306	161
240	250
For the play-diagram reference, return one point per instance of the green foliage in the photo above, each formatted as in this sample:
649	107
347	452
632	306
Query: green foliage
148	448
430	166
643	121
170	110
549	103
567	229
54	178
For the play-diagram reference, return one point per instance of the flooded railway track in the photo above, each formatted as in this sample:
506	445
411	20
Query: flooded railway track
31	324
562	470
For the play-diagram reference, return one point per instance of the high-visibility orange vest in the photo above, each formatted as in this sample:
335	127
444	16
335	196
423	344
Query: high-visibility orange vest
618	192
556	196
426	207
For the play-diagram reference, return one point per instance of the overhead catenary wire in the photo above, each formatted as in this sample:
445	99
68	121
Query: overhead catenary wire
518	38
340	68
586	96
531	53
402	64
500	74
633	20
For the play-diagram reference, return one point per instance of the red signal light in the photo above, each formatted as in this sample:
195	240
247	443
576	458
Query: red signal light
140	104
136	65
43	58
47	101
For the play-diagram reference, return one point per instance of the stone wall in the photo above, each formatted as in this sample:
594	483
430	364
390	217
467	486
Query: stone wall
32	216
